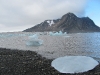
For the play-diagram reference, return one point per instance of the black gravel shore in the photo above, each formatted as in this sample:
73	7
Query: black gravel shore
17	62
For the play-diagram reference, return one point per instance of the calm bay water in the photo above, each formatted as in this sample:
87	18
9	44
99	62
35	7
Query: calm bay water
84	44
87	44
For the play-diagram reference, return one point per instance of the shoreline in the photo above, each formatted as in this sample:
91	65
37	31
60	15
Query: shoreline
19	62
55	46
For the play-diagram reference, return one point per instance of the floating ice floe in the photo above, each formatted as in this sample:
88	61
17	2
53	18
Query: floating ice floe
74	64
34	41
57	33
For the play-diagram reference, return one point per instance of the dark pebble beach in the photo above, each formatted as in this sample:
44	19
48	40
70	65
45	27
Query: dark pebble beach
18	62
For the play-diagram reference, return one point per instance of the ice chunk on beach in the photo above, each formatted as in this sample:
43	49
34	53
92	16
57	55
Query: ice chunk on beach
57	33
74	64
34	41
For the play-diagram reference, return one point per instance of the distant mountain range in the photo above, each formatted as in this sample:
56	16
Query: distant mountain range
69	23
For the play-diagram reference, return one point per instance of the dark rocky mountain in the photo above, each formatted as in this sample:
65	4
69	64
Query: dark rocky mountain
69	23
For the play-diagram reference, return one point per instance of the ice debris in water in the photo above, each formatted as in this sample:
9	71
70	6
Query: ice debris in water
74	64
34	41
57	33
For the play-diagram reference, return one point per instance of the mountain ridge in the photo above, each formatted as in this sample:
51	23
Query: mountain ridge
69	23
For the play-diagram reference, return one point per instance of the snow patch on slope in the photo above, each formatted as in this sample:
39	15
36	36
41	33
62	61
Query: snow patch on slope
74	64
50	22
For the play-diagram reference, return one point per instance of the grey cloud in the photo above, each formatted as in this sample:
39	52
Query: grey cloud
27	13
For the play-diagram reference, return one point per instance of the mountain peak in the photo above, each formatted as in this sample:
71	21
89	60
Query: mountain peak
69	15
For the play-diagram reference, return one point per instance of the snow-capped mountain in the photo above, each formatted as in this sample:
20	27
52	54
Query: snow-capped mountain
69	23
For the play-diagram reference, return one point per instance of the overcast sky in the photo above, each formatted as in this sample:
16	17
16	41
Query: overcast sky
17	15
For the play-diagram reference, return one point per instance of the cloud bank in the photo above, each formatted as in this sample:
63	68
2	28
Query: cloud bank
17	15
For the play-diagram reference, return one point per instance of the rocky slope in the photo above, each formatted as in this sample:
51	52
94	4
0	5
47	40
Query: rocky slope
69	23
